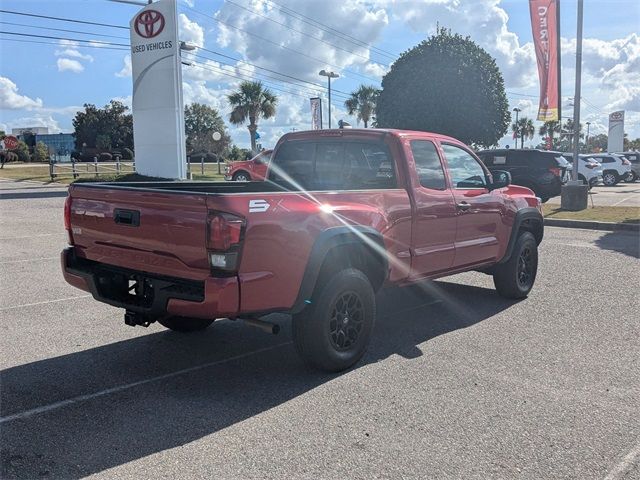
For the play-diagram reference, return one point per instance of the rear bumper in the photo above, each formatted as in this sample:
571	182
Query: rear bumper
156	295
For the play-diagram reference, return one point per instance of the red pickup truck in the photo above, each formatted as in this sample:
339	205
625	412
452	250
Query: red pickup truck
342	213
249	170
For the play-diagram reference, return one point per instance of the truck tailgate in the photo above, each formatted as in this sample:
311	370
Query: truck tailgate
156	232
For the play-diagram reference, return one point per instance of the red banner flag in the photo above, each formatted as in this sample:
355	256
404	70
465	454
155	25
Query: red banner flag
545	24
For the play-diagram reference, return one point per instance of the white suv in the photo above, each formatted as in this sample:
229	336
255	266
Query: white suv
589	170
614	167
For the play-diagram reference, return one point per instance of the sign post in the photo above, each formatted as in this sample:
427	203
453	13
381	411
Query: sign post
158	110
615	139
316	113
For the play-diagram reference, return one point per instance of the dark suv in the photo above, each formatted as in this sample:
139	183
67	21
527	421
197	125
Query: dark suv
542	171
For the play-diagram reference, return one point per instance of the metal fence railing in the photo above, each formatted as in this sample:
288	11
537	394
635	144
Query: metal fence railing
77	169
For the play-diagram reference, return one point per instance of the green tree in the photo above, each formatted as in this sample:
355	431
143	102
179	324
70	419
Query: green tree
598	143
567	135
22	151
523	129
236	153
252	101
446	84
113	121
40	152
634	144
201	121
549	129
362	103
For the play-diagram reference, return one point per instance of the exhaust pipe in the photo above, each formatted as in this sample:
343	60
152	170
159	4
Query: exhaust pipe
263	325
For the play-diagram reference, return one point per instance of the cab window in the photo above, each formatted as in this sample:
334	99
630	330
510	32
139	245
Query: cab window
465	171
428	164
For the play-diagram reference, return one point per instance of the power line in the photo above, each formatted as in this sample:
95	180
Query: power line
251	73
277	44
295	30
293	13
273	71
62	30
64	19
241	76
58	44
67	39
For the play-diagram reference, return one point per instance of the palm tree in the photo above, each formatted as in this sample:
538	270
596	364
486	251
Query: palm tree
363	103
528	130
524	128
567	130
549	129
252	101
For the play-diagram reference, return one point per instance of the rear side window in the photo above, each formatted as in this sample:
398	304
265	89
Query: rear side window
327	165
428	164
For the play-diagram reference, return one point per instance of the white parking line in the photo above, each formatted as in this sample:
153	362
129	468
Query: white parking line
120	388
29	259
43	303
625	199
627	463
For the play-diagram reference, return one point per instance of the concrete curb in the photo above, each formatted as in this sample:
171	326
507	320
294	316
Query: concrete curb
591	225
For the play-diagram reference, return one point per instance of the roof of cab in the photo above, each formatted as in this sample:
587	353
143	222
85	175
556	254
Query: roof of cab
363	132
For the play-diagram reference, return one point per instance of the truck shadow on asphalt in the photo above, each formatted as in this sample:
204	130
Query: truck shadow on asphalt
619	242
72	440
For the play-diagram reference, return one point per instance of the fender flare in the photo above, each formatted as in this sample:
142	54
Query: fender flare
523	215
327	240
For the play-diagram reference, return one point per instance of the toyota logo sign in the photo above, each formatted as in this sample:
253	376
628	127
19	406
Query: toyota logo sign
149	23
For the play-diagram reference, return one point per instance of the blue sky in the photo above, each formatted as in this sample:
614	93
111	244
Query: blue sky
44	84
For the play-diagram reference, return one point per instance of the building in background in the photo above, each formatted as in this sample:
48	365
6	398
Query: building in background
34	130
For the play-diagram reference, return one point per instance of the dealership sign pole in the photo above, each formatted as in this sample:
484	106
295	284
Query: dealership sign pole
158	111
615	139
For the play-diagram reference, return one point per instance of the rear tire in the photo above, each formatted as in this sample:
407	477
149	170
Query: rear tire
185	324
515	277
333	332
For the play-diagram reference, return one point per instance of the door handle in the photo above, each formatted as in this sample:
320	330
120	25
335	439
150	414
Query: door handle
463	206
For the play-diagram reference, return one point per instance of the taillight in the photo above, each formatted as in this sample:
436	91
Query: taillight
626	162
556	171
67	218
224	236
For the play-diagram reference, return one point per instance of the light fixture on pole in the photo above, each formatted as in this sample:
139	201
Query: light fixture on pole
515	130
329	74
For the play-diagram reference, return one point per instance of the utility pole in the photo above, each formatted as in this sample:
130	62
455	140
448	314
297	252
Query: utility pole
574	193
329	75
587	140
517	110
576	98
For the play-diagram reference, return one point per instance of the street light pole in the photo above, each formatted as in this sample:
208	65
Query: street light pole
517	110
587	140
576	98
329	75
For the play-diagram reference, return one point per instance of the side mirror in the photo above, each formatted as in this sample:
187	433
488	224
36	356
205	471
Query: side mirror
500	179
258	160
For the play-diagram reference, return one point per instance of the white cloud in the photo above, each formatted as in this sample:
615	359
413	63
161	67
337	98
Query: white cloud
66	64
359	18
37	121
126	69
486	23
190	32
10	99
72	52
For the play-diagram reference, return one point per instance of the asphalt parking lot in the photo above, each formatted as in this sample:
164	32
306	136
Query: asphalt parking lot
458	383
